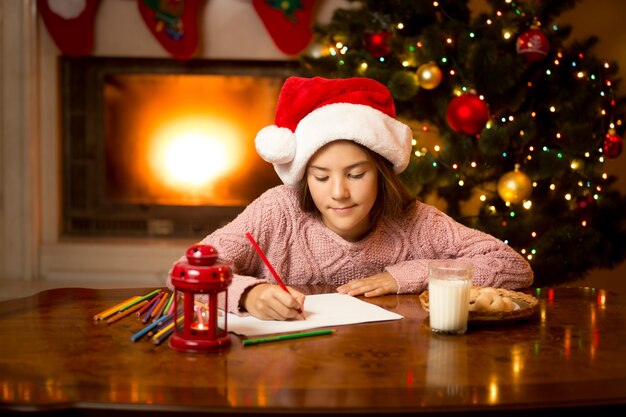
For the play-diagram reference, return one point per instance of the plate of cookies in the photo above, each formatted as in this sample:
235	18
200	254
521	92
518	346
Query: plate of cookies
488	304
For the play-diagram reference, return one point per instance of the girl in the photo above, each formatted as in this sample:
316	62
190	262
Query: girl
343	217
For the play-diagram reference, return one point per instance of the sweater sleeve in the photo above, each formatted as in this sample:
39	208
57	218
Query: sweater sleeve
434	235
234	249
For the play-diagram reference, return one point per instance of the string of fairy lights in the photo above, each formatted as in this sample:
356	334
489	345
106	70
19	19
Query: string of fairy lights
514	187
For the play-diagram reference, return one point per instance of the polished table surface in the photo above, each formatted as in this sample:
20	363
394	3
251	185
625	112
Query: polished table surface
571	354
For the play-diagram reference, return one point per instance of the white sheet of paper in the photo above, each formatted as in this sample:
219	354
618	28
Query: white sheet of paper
320	310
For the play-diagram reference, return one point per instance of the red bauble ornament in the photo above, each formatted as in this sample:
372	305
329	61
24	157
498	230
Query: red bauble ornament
467	114
585	206
378	44
532	45
612	146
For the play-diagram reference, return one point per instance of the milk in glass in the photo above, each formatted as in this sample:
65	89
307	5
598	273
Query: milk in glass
449	284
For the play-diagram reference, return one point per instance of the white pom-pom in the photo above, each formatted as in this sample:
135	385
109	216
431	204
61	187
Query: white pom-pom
276	145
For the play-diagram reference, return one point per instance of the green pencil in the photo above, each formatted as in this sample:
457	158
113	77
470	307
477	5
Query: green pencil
249	342
140	299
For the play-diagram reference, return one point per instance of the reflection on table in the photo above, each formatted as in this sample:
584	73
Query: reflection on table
568	355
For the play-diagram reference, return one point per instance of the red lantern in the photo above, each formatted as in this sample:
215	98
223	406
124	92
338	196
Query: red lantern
467	114
200	331
532	45
378	44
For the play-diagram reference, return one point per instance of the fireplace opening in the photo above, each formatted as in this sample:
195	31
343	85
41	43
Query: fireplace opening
160	148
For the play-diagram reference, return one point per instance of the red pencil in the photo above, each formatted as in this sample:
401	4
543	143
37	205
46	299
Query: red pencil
269	266
147	306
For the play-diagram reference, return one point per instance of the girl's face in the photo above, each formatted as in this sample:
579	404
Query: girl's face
343	182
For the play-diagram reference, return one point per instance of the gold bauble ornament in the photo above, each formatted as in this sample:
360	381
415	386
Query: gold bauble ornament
428	75
514	186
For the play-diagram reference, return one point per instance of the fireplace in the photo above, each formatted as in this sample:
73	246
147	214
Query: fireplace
162	148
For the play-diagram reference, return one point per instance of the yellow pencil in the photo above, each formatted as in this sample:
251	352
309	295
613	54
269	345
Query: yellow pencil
112	310
126	312
166	329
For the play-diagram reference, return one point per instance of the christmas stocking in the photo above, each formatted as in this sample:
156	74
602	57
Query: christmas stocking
174	23
287	21
70	23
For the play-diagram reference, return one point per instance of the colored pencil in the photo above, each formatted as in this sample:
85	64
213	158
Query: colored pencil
147	306
170	302
161	325
140	299
249	342
122	314
156	313
170	309
112	310
148	313
165	332
163	337
149	327
269	266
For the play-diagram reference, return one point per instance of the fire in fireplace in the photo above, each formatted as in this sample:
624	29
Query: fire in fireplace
161	148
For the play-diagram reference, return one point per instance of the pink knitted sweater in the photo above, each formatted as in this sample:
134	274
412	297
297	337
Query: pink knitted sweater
304	251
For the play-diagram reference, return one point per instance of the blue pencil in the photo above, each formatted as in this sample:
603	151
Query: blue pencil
162	324
149	327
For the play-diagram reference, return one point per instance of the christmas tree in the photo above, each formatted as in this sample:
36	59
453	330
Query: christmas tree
513	122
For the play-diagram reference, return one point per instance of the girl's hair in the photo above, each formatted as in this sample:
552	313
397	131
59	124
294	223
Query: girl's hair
393	198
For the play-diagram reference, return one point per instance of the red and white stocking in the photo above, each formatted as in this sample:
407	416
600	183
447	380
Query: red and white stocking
174	23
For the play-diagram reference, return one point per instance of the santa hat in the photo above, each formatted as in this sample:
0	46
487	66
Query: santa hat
312	112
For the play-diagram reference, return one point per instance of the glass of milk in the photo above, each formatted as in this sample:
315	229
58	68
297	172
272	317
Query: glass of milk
449	282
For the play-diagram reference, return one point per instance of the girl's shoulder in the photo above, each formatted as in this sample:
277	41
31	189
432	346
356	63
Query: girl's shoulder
280	196
277	202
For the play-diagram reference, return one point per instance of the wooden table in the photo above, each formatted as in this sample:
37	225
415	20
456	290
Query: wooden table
55	360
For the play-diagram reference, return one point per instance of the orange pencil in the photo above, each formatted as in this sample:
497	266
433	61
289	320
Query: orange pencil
126	312
159	308
112	310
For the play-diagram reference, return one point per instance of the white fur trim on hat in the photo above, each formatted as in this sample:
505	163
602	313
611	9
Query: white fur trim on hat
360	123
276	145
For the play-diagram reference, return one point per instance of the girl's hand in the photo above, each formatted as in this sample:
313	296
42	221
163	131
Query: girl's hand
379	284
270	302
